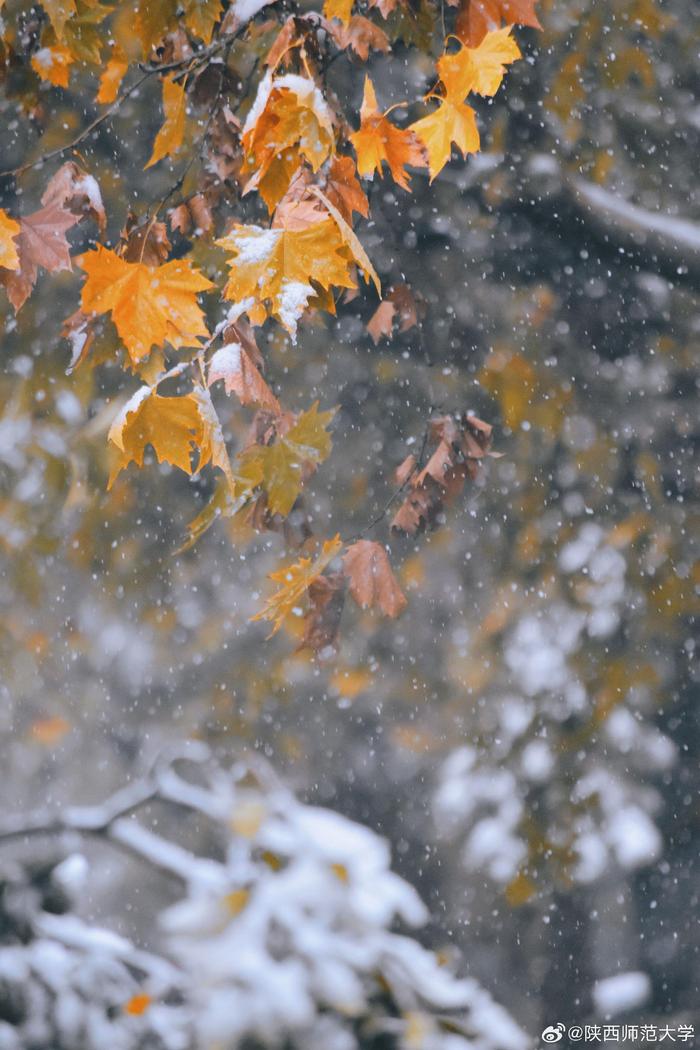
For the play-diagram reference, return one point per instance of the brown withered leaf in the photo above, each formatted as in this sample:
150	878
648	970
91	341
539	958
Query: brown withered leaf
371	578
41	242
476	18
224	156
361	35
326	597
381	323
458	445
145	242
401	304
192	216
77	191
240	376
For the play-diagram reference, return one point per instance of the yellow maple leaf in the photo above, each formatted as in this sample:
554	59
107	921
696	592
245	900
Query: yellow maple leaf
169	138
201	17
378	141
52	63
282	465
150	305
295	580
288	122
274	268
452	122
340	9
351	240
480	69
59	11
171	425
9	229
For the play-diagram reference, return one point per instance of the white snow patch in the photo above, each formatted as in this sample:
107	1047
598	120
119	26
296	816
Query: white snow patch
624	991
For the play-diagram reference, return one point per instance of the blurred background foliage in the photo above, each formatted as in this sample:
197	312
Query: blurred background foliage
527	734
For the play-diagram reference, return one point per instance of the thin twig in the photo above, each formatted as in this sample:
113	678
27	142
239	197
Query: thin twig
195	61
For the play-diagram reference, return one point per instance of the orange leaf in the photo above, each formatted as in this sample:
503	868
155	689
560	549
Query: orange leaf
111	77
169	138
289	121
150	305
138	1004
50	731
372	581
53	64
9	230
343	189
378	141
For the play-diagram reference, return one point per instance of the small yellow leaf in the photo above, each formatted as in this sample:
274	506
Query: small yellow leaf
169	138
480	69
340	9
452	122
295	581
9	229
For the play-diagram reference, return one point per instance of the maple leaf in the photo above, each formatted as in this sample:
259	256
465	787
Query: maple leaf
326	599
41	242
288	121
275	268
351	240
169	138
9	230
193	215
76	190
378	141
111	77
361	35
150	305
402	301
480	69
171	425
232	364
295	580
295	454
343	189
52	63
340	9
201	17
371	578
59	11
452	122
476	17
460	444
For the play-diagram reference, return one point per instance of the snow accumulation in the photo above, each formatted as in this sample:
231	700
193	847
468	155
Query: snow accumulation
287	940
624	991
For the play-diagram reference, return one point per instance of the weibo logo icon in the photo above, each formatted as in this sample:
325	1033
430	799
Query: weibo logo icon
553	1033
